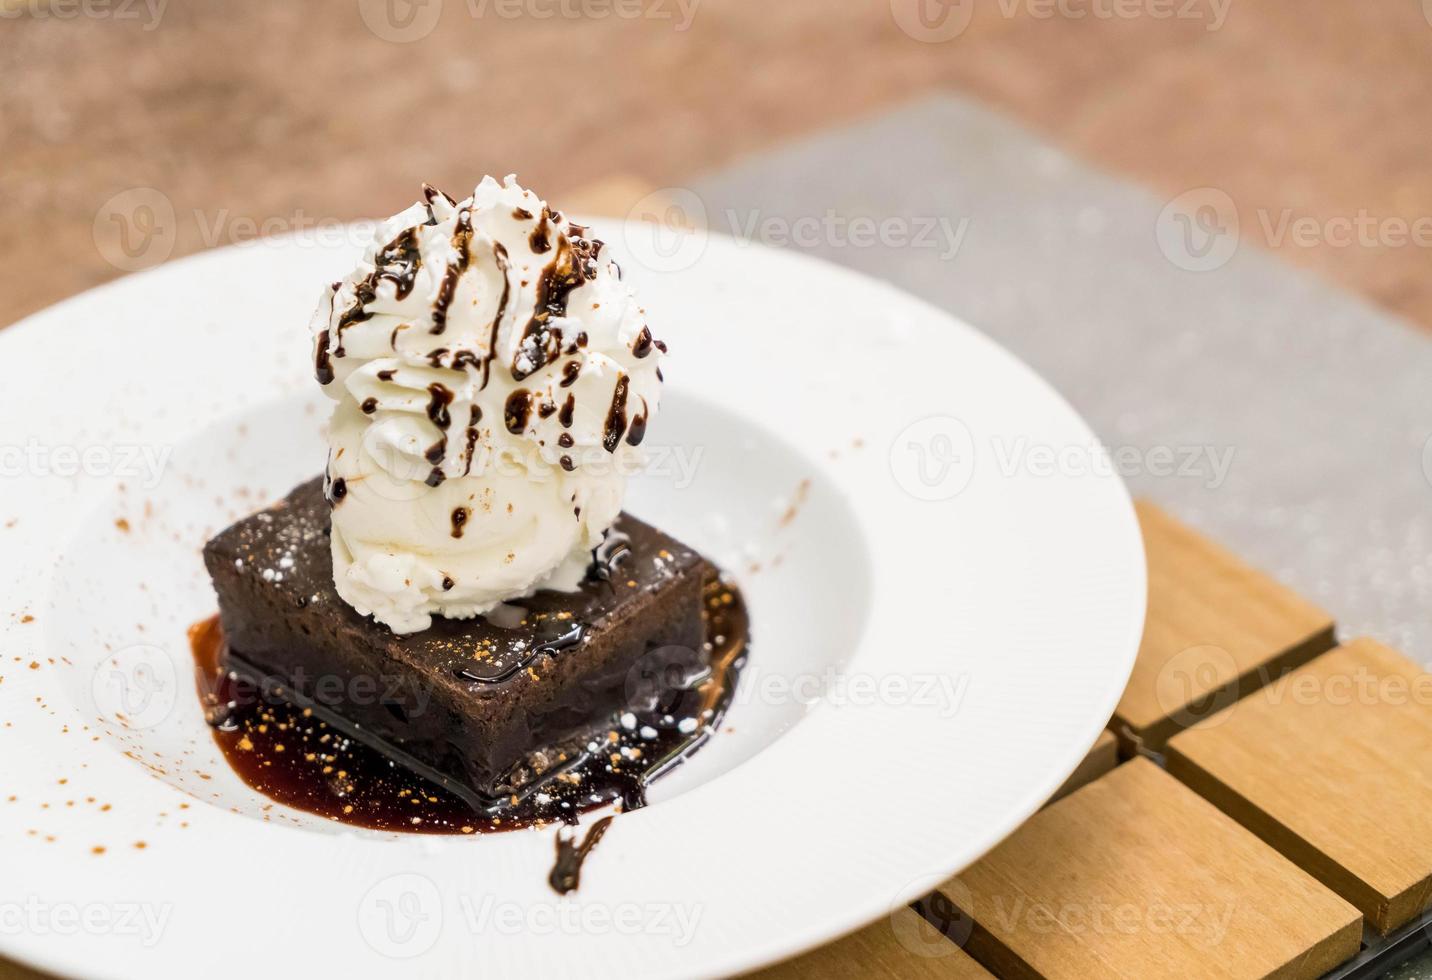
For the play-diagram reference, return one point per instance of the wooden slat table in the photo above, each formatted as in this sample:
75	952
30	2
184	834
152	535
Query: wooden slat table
1332	765
1216	630
1137	876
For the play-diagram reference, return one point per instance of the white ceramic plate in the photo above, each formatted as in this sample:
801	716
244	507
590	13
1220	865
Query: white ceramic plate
947	591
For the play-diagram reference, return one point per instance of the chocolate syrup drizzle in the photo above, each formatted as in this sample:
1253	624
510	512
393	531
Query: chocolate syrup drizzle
461	243
474	417
563	641
518	411
566	873
439	400
616	416
637	432
431	193
573	265
398	262
499	252
322	360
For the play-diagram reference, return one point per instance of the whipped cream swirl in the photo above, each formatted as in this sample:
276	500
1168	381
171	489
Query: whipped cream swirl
494	378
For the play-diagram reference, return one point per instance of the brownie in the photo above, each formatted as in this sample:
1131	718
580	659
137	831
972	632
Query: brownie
473	701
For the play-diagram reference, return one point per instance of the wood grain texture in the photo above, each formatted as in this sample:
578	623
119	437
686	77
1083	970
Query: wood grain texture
1332	765
1135	876
900	947
1216	630
276	111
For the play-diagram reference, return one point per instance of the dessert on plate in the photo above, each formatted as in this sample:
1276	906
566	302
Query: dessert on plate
456	627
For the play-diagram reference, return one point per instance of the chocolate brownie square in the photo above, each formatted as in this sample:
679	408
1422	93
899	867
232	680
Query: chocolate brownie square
472	701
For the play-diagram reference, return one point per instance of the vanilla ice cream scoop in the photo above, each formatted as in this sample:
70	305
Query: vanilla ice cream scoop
494	378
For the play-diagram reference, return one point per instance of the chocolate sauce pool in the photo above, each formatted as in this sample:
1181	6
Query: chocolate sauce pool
294	757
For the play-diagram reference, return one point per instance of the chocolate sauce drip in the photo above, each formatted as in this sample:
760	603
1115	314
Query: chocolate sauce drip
637	432
522	214
567	463
557	644
398	262
568	408
436	452
499	252
461	243
570	372
616	416
566	641
474	417
565	440
337	490
541	238
546	410
369	406
518	411
322	361
614	549
432	194
386	374
643	344
582	339
459	521
438	404
540	344
436	478
566	873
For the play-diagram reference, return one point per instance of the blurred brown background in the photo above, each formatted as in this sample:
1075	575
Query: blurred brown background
271	109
